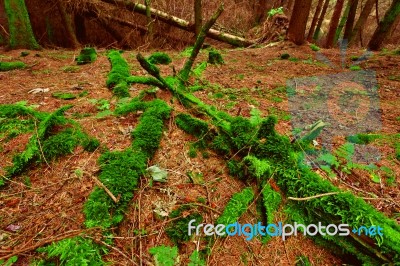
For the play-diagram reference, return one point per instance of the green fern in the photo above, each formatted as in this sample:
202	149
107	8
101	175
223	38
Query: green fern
164	255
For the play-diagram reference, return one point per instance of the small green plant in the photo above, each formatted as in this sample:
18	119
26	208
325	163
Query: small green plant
9	262
285	56
275	11
71	69
214	57
164	255
354	58
195	259
88	55
314	47
355	68
64	95
7	66
24	53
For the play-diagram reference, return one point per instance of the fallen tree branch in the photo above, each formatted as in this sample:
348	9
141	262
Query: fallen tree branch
180	23
314	197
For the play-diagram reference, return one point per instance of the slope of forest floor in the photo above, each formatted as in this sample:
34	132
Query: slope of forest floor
47	201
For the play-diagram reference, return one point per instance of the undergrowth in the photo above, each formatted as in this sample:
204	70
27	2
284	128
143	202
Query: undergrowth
7	66
87	55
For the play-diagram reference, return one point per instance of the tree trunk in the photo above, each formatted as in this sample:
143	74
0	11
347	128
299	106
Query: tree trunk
342	22
361	21
334	23
260	8
149	33
350	19
315	19
80	29
289	8
198	20
385	26
20	29
321	19
298	21
66	18
377	12
180	23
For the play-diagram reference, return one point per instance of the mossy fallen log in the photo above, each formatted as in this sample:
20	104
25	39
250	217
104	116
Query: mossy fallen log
87	55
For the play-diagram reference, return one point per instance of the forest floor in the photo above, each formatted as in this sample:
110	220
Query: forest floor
46	202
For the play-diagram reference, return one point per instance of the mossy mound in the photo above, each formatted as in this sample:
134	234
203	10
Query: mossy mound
88	55
215	58
159	58
7	66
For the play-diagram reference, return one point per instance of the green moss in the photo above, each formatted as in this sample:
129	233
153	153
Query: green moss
236	206
75	251
7	66
121	170
314	47
119	68
64	95
257	168
177	231
71	69
355	68
271	200
21	34
192	125
397	151
285	56
164	256
363	138
159	58
215	58
24	53
87	55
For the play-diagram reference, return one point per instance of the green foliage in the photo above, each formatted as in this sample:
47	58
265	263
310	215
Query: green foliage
363	138
87	55
75	251
21	34
186	52
9	262
192	125
164	255
199	69
214	57
285	56
257	168
195	259
303	261
236	206
314	47
177	231
24	53
64	95
7	66
355	68
397	151
159	58
275	11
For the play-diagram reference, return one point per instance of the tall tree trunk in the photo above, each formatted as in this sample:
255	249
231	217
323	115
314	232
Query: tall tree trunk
334	23
384	28
298	21
315	19
342	22
20	29
66	18
289	8
80	29
198	20
350	19
320	20
149	33
377	12
361	21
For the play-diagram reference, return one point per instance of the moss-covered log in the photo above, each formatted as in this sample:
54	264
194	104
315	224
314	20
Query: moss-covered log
21	34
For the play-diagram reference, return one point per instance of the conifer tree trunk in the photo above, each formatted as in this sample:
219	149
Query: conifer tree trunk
342	22
298	21
315	19
350	19
320	20
384	28
66	18
334	23
198	20
20	29
361	21
149	33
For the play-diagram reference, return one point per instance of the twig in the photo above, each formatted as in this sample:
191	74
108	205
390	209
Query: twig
98	182
314	197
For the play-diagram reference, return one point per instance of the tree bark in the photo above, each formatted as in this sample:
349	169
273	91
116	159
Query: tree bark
298	21
361	21
321	19
198	20
334	24
149	33
342	22
180	23
350	19
315	19
20	28
80	29
66	18
384	28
